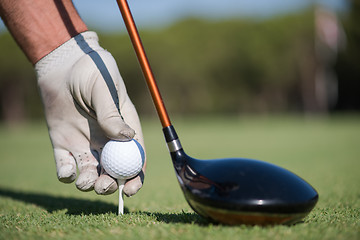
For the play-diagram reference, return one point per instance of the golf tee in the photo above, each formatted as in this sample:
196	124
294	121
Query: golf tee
121	183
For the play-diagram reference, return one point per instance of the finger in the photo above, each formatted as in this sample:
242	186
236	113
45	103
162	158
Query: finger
133	185
105	97
105	185
65	165
108	115
88	170
131	117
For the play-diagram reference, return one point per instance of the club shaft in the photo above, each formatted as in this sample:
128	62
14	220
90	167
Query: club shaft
144	63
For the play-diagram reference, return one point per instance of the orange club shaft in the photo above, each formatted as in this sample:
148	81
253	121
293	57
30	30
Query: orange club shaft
144	63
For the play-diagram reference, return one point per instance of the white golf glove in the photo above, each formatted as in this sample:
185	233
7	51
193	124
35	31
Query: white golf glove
86	104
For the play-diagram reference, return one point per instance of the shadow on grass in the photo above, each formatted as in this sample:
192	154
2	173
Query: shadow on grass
74	206
186	218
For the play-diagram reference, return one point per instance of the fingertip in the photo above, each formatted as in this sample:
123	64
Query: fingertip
65	166
116	129
86	181
67	173
127	133
105	185
132	186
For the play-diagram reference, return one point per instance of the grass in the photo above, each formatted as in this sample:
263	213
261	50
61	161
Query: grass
324	151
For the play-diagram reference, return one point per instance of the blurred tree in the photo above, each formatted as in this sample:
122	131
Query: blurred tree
347	67
232	66
203	67
19	97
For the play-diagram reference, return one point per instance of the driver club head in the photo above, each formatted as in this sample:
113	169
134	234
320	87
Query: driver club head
240	191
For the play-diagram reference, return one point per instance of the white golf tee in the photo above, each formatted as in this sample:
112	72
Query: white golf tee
121	183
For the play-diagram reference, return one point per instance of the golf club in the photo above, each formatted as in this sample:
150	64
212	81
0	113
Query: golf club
233	190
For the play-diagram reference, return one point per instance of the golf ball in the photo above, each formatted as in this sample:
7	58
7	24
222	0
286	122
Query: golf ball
122	160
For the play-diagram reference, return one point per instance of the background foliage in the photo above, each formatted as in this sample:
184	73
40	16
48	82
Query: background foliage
223	67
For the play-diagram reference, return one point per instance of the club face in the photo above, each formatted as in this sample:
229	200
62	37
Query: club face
240	191
243	191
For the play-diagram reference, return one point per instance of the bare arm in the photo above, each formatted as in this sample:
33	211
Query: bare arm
41	26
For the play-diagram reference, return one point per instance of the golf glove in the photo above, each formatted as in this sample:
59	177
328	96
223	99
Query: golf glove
86	104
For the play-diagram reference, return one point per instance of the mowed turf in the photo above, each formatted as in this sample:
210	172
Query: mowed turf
323	151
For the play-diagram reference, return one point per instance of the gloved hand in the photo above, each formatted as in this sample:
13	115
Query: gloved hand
86	104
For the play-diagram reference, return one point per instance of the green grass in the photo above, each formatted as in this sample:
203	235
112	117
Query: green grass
324	151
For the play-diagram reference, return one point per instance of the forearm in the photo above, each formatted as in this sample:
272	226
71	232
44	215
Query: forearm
41	26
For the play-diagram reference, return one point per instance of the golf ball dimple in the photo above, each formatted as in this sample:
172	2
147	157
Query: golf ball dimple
122	160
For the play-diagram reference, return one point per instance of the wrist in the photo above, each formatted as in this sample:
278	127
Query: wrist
66	54
41	26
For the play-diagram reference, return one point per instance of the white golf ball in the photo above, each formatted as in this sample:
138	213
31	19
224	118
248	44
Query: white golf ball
122	160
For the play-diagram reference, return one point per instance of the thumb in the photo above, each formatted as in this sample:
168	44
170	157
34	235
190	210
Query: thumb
108	115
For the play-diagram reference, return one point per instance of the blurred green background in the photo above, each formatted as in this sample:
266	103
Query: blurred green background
292	63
